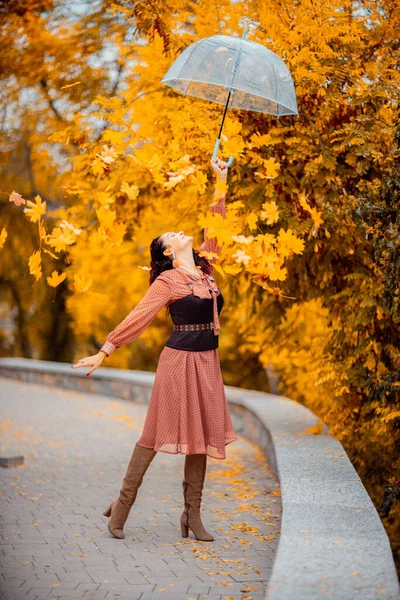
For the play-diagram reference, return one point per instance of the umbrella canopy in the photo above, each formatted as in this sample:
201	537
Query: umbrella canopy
235	72
211	67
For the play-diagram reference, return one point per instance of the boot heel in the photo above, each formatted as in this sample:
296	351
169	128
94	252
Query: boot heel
184	529
107	513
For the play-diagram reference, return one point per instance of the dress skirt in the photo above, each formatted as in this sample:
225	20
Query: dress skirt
188	410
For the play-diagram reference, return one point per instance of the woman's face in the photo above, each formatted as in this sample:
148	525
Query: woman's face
175	240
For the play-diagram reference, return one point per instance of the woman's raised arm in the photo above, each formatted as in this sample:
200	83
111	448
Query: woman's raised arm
218	206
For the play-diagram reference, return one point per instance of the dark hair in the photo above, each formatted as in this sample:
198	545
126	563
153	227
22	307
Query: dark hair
160	262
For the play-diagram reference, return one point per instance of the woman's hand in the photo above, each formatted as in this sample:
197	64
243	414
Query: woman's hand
90	361
220	169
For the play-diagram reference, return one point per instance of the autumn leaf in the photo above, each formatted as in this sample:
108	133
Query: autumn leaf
132	191
36	210
242	239
108	155
81	284
114	138
270	213
271	169
288	242
55	279
17	199
241	256
251	220
98	167
232	269
3	237
60	238
116	233
65	223
34	264
106	216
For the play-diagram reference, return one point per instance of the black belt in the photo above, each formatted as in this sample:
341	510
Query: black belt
194	326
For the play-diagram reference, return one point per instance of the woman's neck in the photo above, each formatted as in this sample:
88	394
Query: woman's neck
186	260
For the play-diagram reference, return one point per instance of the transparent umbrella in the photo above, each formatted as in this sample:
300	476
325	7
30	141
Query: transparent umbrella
234	72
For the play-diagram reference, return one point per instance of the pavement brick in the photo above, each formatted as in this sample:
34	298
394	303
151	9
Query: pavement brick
54	541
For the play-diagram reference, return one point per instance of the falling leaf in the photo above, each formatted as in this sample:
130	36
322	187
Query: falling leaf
3	237
17	199
55	279
35	211
34	264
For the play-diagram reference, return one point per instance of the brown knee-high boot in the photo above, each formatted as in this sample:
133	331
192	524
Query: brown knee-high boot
192	484
119	508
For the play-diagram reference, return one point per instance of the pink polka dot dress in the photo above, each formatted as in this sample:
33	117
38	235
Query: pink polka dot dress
188	410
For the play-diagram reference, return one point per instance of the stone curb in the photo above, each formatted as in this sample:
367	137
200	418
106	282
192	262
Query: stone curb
332	542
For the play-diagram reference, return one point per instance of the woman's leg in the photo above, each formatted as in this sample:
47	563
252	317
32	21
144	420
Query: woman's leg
192	484
119	509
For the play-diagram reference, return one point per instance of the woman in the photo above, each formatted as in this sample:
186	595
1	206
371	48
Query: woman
188	411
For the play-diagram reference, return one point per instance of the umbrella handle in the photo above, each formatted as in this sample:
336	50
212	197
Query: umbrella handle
216	148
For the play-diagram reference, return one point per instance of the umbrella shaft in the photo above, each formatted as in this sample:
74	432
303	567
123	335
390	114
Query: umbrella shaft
223	118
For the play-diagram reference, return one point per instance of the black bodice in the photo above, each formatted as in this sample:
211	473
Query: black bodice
193	309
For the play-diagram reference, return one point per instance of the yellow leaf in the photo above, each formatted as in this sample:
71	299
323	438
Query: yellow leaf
3	237
113	137
132	191
98	167
105	198
287	243
270	212
316	217
232	269
271	168
55	279
108	155
81	284
116	233
61	238
251	220
199	180
36	210
106	216
34	264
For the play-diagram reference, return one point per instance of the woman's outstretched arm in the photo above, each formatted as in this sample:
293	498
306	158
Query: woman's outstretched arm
157	296
218	206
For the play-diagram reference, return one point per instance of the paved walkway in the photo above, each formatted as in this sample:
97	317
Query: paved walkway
54	540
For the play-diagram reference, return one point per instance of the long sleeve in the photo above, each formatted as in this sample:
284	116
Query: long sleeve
157	296
211	244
